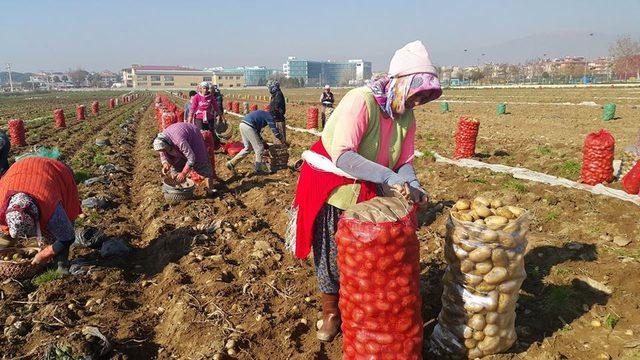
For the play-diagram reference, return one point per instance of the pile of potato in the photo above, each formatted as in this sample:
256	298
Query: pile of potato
484	249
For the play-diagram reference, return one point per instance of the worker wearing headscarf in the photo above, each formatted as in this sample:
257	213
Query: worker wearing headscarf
370	137
278	108
326	100
204	107
182	150
39	198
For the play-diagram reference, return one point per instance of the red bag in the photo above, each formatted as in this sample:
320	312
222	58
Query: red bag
631	181
253	107
266	108
233	148
312	118
168	118
58	115
17	135
95	108
466	136
597	158
227	105
380	288
179	115
80	113
236	107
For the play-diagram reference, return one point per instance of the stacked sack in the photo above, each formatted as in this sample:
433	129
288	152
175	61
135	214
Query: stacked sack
312	118
378	260
168	118
95	108
597	158
58	116
484	249
17	135
466	136
80	112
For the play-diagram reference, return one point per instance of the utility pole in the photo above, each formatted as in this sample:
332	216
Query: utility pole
10	80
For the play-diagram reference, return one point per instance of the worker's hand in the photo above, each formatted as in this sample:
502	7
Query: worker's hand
181	177
277	141
44	256
419	196
402	190
166	168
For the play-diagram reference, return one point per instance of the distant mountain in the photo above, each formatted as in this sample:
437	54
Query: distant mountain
15	76
556	44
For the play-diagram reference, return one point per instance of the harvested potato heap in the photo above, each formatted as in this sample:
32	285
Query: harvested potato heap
484	249
378	260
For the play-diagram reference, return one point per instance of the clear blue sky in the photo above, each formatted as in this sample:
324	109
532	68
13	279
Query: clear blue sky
62	34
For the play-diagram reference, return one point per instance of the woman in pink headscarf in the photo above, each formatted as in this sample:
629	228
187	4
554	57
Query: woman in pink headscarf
370	138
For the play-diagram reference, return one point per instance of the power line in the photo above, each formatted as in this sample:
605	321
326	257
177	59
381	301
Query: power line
10	80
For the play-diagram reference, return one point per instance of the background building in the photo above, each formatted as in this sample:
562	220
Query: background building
318	73
229	79
176	77
253	75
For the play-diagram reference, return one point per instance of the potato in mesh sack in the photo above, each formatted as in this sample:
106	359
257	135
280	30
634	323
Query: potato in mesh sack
378	260
484	249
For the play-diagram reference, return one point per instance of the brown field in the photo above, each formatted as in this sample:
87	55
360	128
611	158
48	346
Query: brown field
213	270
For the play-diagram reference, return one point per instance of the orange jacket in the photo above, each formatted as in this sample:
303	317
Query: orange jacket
47	181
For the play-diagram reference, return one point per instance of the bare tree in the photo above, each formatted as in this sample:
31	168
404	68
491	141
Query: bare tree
626	54
78	76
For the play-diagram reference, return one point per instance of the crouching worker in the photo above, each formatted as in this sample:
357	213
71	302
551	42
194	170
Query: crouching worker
39	198
368	143
250	128
5	147
182	150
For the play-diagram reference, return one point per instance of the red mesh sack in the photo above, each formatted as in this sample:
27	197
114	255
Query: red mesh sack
179	115
236	107
233	148
266	108
379	300
168	118
253	107
312	118
95	108
227	105
58	116
207	136
80	112
466	137
597	158
111	104
17	135
631	181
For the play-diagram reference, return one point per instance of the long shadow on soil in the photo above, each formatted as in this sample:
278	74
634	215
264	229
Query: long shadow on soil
545	308
169	247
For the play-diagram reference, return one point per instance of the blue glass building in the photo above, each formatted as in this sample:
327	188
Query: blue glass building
319	73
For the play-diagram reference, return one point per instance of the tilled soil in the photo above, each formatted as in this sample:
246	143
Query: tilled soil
210	278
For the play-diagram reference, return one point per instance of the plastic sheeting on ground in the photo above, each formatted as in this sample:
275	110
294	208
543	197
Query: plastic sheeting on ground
530	175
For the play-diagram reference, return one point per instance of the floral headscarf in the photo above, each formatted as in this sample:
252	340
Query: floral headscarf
392	93
22	216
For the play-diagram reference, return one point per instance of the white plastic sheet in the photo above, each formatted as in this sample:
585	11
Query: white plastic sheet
530	175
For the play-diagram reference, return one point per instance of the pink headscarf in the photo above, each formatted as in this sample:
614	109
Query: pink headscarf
391	93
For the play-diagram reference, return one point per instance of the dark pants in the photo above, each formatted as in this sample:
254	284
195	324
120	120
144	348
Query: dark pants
282	128
201	125
325	250
323	116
